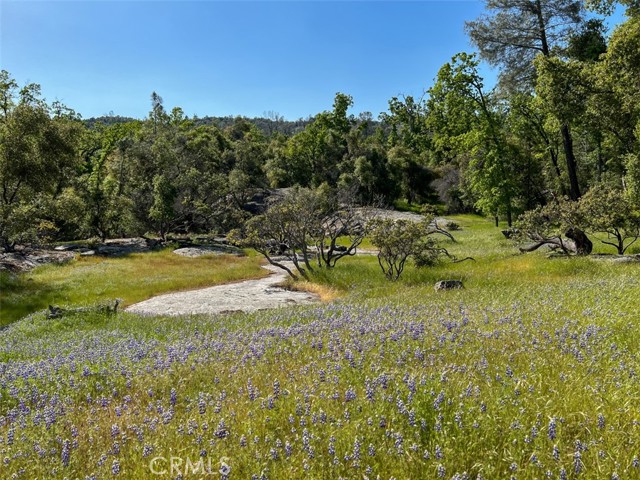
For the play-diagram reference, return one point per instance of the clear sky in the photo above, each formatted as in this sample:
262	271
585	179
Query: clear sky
230	58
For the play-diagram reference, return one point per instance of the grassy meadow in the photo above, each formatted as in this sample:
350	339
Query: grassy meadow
529	372
133	278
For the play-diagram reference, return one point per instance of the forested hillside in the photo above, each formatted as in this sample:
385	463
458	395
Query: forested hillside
557	137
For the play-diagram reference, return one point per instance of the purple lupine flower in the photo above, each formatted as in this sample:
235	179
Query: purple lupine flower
356	448
601	421
288	449
350	394
66	451
551	431
115	467
372	450
221	431
577	462
398	443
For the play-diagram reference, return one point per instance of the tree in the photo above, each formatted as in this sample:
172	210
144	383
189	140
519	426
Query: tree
606	6
341	220
38	159
162	211
399	240
468	122
558	225
516	32
608	210
287	228
587	44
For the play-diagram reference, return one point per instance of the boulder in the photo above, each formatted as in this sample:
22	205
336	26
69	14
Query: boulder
448	285
207	250
17	262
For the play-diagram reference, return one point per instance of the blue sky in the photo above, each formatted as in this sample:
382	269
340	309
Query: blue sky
230	58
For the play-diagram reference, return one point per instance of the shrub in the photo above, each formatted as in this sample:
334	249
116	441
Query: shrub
399	240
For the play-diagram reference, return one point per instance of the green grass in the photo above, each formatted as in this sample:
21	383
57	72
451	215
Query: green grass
498	271
133	278
458	382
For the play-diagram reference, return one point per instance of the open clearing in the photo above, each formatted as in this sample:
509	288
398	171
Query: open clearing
244	296
530	371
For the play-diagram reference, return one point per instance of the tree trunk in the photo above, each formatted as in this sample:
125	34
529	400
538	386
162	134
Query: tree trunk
584	246
572	170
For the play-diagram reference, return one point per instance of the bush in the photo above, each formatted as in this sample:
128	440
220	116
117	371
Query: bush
400	240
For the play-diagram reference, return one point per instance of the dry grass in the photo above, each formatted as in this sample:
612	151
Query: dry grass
325	292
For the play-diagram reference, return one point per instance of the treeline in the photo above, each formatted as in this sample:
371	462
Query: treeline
564	118
270	124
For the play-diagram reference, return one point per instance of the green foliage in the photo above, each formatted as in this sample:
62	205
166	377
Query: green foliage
325	218
602	210
286	228
519	364
549	224
162	211
38	158
399	240
589	42
608	210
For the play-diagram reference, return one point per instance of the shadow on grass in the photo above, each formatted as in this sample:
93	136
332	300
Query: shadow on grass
20	296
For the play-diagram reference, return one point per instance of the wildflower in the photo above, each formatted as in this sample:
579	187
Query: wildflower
551	431
65	453
439	454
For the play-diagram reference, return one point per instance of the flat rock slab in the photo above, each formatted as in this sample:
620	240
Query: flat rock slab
246	296
200	251
25	261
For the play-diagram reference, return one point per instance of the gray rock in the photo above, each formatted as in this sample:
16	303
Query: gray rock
626	259
197	251
88	253
24	261
618	258
66	248
207	250
448	285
